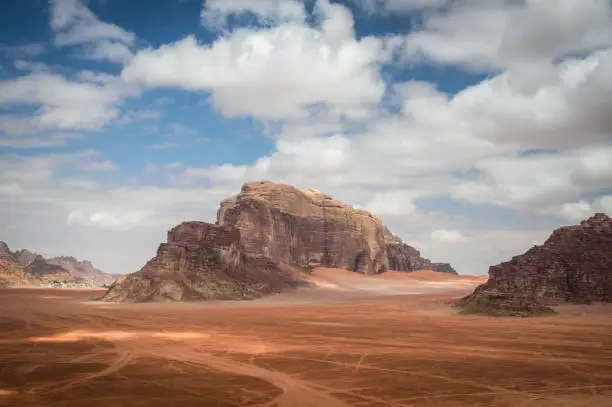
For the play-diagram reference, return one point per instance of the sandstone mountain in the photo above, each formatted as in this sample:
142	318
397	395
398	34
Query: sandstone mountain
574	265
262	238
23	267
301	227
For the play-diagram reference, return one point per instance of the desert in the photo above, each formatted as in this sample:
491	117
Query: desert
336	346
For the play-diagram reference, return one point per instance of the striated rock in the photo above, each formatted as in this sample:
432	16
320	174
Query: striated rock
443	268
308	227
574	265
201	261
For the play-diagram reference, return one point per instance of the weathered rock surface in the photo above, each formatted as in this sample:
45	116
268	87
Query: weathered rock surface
309	227
263	238
574	265
443	268
23	267
201	261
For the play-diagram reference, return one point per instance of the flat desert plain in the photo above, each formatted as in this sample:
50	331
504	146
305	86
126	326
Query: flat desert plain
386	340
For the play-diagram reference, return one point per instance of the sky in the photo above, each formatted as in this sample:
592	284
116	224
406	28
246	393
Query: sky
472	128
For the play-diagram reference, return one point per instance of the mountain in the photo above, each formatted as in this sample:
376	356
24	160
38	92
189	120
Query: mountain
574	265
23	267
264	239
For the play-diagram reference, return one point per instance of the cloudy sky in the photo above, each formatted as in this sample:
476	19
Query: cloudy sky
471	127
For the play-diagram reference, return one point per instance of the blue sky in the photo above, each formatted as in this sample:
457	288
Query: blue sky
472	128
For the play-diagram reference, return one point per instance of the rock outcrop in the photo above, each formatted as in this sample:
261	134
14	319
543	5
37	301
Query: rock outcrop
23	267
201	261
301	227
443	268
263	239
574	265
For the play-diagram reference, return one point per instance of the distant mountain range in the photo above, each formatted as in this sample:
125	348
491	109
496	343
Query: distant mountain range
24	267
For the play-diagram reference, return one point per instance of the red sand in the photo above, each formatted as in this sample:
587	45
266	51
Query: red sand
358	342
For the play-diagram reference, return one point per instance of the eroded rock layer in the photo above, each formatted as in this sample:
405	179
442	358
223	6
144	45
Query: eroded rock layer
201	261
574	265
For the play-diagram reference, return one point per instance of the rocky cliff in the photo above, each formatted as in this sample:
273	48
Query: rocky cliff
574	265
201	261
306	226
23	267
264	237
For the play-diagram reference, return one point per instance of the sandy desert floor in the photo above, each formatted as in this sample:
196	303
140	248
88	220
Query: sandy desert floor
388	340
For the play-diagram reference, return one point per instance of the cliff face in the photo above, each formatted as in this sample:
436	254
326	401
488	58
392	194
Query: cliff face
302	227
201	261
573	265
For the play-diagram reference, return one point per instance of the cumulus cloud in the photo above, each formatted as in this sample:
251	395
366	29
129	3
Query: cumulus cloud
274	73
74	24
447	236
497	34
63	104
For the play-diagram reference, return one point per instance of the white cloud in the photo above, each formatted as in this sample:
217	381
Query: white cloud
274	73
447	236
115	220
494	34
539	181
74	24
62	104
104	165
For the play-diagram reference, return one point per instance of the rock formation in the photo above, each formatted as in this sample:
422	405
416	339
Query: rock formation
301	227
201	261
82	269
263	237
443	268
27	268
574	265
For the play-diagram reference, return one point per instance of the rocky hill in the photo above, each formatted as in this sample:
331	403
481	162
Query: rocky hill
82	269
574	265
23	267
443	268
261	238
201	261
301	227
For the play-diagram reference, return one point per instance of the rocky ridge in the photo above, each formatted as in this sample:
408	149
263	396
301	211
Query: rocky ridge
23	267
574	265
263	241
